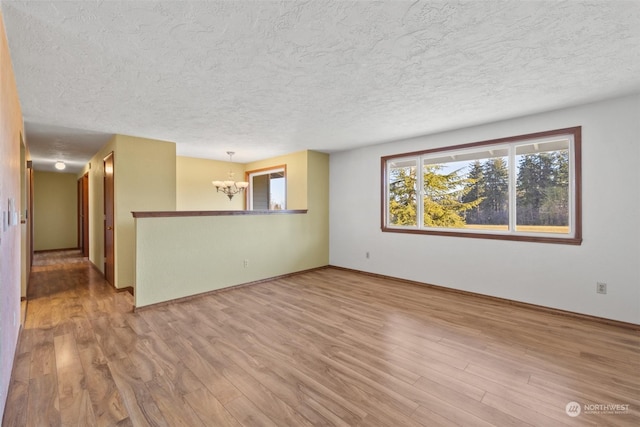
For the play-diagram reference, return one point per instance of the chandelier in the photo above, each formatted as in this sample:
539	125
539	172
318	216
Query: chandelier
230	187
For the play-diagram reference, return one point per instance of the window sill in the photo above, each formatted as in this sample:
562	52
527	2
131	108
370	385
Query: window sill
576	241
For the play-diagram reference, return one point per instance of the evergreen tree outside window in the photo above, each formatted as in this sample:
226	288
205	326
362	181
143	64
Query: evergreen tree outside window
518	188
402	193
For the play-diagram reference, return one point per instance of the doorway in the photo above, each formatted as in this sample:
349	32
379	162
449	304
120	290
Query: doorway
109	231
26	218
29	211
83	214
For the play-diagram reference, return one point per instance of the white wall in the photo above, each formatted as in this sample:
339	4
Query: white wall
11	243
552	275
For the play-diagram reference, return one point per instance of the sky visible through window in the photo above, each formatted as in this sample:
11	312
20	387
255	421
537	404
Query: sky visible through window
277	195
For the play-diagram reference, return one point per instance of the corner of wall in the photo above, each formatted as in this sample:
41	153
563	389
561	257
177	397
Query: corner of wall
145	180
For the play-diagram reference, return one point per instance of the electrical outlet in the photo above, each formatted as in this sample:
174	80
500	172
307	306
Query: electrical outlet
367	255
246	263
601	287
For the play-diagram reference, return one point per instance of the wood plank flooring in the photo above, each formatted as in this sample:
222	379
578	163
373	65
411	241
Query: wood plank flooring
327	347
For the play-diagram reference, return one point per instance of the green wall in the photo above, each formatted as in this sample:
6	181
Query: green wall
182	256
296	176
55	211
194	191
144	180
149	177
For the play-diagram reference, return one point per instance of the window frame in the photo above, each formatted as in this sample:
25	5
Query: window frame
265	171
575	190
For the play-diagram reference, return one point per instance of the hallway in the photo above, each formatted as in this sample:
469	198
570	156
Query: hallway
60	361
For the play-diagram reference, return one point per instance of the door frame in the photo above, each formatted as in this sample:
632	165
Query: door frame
83	214
109	223
80	218
29	212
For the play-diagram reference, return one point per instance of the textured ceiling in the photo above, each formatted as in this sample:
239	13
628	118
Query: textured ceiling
48	144
265	77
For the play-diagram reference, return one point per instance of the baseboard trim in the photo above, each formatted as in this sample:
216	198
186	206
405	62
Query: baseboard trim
95	267
41	251
228	288
126	289
129	289
550	310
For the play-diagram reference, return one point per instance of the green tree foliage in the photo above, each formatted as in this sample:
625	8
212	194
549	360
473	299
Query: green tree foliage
402	196
561	177
534	177
495	206
475	191
543	189
480	195
489	183
443	197
555	206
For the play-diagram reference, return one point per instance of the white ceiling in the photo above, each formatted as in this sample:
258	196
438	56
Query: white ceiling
48	144
264	78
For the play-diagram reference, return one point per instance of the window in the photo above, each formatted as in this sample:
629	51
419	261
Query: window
267	189
519	188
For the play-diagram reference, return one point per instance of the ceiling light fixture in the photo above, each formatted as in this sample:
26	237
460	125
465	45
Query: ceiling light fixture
60	165
230	187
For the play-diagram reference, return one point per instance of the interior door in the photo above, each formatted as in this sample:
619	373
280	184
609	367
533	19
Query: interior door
30	211
85	214
109	229
80	219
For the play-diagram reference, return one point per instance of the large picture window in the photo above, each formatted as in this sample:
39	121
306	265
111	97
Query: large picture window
525	187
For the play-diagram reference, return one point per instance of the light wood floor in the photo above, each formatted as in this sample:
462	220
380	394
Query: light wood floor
327	347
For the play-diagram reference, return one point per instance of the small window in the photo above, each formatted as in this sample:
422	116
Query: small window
519	188
267	189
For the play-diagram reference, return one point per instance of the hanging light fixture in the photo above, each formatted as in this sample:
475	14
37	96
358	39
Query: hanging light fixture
230	187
